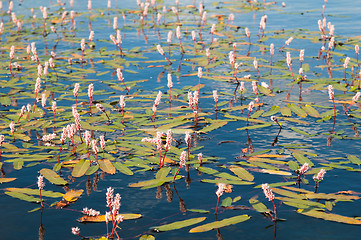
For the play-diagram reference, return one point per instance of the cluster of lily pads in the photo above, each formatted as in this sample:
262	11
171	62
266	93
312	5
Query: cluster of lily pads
59	106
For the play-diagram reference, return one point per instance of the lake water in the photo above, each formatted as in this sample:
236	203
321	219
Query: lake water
222	147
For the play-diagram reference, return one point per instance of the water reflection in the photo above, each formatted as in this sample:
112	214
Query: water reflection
41	227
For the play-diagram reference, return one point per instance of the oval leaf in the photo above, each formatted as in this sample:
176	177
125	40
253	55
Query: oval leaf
296	109
73	195
106	166
80	168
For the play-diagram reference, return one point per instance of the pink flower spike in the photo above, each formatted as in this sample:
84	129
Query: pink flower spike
90	91
215	96
320	175
182	159
220	189
330	92
288	41
268	192
160	50
250	106
304	169
109	197
199	72
75	230
356	97
347	60
40	182
121	101
200	158
254	87
288	59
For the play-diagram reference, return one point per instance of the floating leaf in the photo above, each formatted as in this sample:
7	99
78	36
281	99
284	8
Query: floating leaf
265	91
296	109
258	206
92	169
162	173
179	224
293	165
273	111
18	164
30	191
52	177
227	202
143	237
101	218
294	120
106	166
73	195
329	205
303	202
286	112
276	172
257	114
288	193
207	170
226	181
311	111
302	159
330	216
220	224
198	210
354	159
80	168
255	126
300	131
23	196
213	126
242	173
5	180
326	196
122	168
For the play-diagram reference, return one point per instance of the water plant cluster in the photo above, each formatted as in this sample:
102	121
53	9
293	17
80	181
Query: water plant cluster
145	98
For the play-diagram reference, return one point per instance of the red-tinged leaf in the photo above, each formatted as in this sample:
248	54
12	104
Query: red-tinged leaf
5	180
73	195
106	166
101	218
